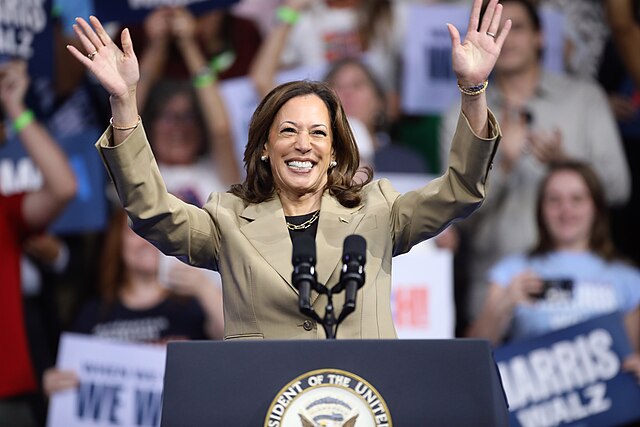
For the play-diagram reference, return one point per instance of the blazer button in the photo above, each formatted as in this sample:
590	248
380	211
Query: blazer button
307	325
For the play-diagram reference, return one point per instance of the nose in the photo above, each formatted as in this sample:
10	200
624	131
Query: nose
303	143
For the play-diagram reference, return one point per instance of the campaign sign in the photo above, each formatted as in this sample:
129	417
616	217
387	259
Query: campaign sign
571	377
421	281
134	11
120	384
429	81
26	29
88	210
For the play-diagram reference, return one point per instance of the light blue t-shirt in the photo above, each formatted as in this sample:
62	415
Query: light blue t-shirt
599	287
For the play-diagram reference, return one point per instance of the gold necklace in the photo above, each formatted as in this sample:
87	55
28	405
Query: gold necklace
305	224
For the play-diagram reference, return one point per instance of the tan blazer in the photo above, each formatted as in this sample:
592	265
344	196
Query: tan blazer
249	244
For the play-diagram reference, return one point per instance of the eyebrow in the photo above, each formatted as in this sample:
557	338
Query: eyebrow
296	124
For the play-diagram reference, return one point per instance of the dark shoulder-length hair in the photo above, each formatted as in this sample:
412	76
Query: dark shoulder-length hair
113	274
259	185
600	240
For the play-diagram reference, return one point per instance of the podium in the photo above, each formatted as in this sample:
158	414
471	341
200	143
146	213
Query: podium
401	382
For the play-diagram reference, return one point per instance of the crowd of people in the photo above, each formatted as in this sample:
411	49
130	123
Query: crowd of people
557	199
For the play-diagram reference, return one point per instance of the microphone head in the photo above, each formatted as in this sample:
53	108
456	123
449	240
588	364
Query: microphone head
355	247
304	250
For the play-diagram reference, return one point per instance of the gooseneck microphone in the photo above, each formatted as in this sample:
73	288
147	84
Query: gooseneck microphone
303	277
354	257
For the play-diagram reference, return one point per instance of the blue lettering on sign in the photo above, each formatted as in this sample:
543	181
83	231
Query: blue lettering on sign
439	60
148	406
99	402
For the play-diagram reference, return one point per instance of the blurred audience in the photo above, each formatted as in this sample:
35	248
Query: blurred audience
544	117
572	273
22	215
140	303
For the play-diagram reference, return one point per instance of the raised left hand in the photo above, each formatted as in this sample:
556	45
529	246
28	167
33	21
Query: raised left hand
474	58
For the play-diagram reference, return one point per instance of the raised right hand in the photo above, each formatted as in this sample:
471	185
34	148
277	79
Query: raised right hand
116	70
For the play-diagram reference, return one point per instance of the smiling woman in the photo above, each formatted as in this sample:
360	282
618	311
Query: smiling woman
300	161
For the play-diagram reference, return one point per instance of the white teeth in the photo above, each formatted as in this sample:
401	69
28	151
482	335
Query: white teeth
300	165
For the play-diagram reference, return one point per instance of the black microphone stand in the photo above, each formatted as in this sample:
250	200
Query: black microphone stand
329	322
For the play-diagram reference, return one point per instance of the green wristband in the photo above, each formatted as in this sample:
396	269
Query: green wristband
287	15
23	120
203	79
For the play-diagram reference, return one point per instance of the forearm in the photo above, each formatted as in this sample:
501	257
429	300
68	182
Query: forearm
267	61
215	114
626	34
124	113
152	63
495	318
59	181
476	111
211	302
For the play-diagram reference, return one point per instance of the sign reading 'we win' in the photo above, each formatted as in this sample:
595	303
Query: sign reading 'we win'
120	384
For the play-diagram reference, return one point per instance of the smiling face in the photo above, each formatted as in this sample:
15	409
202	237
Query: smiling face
139	256
177	138
522	48
568	210
299	148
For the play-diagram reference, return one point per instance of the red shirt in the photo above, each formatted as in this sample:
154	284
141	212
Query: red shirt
16	373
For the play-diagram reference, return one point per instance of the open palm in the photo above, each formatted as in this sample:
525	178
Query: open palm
474	58
116	70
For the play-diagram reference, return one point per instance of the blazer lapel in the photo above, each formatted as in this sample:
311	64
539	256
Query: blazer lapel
268	233
336	223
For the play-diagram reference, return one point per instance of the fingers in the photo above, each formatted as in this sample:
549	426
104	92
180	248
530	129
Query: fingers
94	42
495	21
79	56
474	19
455	35
488	16
84	40
127	44
503	34
104	37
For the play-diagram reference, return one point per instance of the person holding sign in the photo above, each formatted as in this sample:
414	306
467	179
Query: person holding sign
136	304
300	162
572	273
22	215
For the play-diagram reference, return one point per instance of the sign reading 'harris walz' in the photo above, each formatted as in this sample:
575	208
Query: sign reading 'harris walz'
571	377
326	397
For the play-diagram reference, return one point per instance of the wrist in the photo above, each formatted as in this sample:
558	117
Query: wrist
22	120
287	15
13	111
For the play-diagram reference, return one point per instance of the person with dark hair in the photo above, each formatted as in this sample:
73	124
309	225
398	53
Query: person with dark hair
300	162
135	304
23	215
545	118
574	245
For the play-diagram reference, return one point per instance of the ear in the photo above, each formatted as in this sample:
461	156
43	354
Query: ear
264	149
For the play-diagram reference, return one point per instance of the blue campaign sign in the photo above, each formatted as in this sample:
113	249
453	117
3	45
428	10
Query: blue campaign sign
88	210
26	32
134	11
571	377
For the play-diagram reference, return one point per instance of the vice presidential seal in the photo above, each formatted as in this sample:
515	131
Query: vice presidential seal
328	398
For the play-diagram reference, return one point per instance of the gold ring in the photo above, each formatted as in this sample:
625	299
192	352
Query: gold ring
92	54
490	34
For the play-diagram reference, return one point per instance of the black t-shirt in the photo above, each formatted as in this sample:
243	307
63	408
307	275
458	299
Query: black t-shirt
175	318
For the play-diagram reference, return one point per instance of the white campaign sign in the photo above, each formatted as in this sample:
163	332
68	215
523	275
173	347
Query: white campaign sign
120	384
422	282
429	84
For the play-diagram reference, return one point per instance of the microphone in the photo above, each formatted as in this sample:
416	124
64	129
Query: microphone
354	257
303	277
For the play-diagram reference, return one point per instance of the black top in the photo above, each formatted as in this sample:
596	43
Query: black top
300	219
174	318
